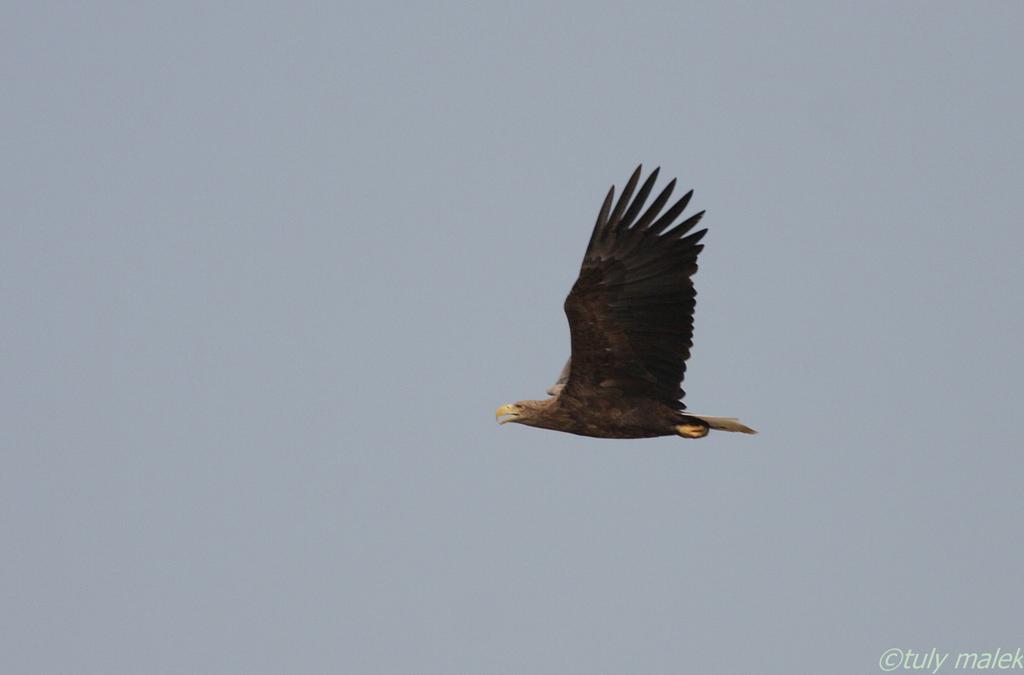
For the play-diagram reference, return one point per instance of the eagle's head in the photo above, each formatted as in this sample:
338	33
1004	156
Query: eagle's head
521	412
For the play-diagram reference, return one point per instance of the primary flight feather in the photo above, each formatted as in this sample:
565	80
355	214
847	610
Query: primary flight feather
631	325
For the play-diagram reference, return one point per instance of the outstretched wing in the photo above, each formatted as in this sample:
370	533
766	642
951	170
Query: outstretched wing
631	309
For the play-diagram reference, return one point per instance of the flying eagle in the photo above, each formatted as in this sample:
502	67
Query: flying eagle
631	325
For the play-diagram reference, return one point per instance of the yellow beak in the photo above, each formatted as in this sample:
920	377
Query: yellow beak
504	410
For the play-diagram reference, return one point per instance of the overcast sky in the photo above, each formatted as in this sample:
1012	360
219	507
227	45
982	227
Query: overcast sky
267	270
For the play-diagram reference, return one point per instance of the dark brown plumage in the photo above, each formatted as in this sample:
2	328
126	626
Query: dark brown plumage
631	322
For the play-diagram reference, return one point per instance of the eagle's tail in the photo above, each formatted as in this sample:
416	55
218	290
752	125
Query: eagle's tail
723	423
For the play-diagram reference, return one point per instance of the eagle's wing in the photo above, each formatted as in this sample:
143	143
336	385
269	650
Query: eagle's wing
631	309
563	377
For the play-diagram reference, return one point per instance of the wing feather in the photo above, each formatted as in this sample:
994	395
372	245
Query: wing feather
631	309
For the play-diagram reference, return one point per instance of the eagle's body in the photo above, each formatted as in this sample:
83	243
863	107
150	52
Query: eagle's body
608	417
631	321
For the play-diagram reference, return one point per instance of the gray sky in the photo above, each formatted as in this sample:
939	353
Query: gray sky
267	270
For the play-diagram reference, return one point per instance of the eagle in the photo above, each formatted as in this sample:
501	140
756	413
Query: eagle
631	326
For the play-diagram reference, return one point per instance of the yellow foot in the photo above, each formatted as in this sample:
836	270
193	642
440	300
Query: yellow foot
692	430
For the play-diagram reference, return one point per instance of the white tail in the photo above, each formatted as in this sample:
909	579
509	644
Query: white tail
723	423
